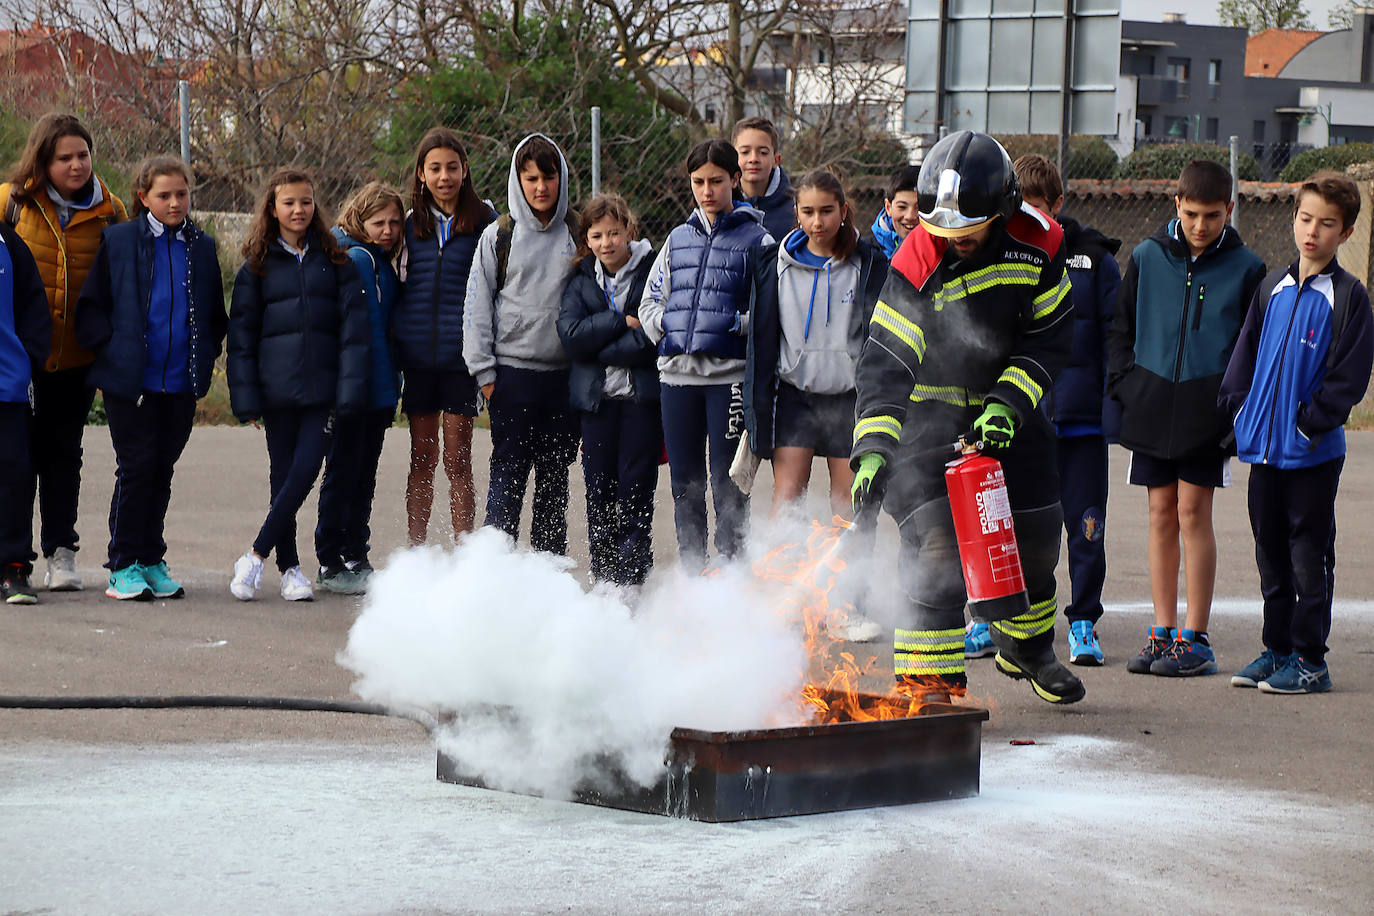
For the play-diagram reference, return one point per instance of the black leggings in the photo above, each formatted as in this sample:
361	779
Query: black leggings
297	441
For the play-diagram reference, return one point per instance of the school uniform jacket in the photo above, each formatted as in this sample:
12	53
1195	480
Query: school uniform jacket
957	333
1080	392
596	336
381	288
117	314
1302	361
1175	327
64	256
25	322
765	332
298	335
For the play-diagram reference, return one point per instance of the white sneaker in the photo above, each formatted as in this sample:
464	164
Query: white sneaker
861	629
62	575
247	577
295	586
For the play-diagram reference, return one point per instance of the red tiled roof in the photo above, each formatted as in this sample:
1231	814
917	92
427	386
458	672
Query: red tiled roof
1144	189
1268	52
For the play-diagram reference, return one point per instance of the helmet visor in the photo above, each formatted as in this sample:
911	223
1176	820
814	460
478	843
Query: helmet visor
951	224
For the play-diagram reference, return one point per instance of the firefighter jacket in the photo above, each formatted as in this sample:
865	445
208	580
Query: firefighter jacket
1175	327
64	255
956	332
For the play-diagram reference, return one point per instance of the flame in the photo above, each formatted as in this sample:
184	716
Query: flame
810	571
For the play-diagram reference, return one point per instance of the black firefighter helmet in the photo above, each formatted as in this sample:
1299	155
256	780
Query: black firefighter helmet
966	182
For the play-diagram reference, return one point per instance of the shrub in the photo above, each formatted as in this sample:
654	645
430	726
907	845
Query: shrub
1089	156
1337	158
1166	160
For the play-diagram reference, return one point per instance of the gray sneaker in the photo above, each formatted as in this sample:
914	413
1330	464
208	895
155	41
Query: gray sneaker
62	575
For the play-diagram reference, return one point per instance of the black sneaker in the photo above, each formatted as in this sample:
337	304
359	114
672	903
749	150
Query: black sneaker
14	585
1161	638
1050	680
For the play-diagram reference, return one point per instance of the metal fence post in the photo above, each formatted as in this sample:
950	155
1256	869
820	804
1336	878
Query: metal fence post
1235	182
184	109
596	150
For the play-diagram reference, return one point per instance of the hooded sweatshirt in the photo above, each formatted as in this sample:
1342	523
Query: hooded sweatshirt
617	286
885	234
821	335
516	325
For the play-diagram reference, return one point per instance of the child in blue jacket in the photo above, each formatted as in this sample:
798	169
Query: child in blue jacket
696	308
369	230
25	336
298	339
1301	363
152	309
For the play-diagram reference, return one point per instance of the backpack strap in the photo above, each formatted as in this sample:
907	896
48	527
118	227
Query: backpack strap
505	229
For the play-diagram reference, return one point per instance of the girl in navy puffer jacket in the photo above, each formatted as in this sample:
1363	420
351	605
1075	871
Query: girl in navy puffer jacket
297	355
695	308
369	230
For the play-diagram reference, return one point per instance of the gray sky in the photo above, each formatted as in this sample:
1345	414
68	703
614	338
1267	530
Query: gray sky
1205	13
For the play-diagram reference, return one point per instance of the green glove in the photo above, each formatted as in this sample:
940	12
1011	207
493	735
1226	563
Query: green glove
869	480
996	425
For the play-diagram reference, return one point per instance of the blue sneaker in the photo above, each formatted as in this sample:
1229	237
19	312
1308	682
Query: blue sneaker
159	579
1190	655
1261	668
128	584
1155	647
978	641
1084	649
1298	676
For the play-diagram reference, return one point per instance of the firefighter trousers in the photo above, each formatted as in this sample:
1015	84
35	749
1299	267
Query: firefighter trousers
929	636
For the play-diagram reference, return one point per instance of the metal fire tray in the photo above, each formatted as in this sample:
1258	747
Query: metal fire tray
733	776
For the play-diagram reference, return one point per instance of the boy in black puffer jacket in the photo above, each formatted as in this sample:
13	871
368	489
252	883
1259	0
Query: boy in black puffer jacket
1084	419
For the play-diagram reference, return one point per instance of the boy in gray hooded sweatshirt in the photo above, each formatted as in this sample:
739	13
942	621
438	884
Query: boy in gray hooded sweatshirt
512	349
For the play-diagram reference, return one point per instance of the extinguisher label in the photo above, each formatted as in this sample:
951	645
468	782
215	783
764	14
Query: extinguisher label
994	510
1005	562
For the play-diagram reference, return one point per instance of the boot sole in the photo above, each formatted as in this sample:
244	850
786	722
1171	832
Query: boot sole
1015	672
145	595
179	593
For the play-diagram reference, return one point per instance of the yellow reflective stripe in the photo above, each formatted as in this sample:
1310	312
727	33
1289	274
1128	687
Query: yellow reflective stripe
979	280
873	425
1020	379
1048	301
1037	620
947	394
885	316
910	665
929	641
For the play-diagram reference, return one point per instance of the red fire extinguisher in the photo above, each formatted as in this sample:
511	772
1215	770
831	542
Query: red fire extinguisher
987	540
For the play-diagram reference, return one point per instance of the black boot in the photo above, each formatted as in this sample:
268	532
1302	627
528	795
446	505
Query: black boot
1034	660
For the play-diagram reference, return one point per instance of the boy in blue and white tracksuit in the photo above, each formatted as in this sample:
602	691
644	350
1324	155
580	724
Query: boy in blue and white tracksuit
25	337
1301	363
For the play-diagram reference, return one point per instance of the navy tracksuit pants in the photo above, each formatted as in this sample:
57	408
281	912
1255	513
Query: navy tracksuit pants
16	485
621	442
62	402
696	422
149	436
1083	494
348	487
532	427
1293	516
297	442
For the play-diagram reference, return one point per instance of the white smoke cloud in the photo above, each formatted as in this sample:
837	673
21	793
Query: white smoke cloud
546	677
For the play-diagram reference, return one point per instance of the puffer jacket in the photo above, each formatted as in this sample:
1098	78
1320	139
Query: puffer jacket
1080	392
114	314
596	336
707	287
381	286
427	325
64	256
777	205
298	335
25	328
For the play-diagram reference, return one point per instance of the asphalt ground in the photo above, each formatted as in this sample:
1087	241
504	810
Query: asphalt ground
1277	793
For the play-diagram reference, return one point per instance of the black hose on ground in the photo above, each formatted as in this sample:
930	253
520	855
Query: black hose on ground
215	701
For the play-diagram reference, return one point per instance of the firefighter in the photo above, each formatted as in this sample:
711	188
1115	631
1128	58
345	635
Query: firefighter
973	324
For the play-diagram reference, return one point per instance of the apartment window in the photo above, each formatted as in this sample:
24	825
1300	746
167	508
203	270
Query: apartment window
1214	79
1213	128
1259	132
1177	69
820	55
1176	128
708	113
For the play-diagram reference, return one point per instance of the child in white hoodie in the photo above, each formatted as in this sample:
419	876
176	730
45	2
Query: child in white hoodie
512	349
